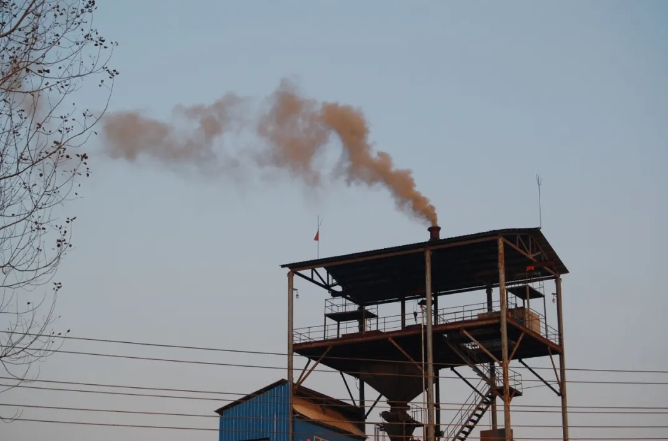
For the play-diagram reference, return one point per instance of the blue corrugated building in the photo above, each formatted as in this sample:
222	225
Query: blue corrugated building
264	414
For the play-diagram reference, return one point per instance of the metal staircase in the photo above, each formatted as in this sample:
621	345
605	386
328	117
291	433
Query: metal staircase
470	414
496	383
484	393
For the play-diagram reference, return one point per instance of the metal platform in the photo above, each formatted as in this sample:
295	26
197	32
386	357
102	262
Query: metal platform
344	352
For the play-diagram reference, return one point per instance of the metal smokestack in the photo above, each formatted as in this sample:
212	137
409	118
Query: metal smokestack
434	232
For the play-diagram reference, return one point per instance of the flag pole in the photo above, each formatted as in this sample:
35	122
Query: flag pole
317	238
318	245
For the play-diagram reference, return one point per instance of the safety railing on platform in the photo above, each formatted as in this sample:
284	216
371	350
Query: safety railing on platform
530	318
514	379
469	312
338	305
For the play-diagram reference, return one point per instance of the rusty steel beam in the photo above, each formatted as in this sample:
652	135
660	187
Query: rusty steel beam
394	253
391	340
540	378
403	313
291	378
529	249
554	367
315	271
366	415
504	338
360	259
480	345
348	389
537	264
562	361
467	382
315	282
308	363
299	383
362	402
517	345
430	348
492	366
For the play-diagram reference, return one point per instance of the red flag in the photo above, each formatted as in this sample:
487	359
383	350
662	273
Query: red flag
317	236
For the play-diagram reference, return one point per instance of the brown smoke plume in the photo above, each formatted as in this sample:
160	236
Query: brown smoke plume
294	130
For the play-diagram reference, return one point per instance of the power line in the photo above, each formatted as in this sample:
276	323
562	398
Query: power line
78	383
158	345
194	415
143	426
645	409
128	394
243	351
254	366
79	409
134	426
131	412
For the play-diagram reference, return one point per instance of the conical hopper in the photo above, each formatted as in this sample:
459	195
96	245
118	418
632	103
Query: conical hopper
400	383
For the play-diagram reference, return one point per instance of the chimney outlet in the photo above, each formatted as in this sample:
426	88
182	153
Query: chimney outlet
434	232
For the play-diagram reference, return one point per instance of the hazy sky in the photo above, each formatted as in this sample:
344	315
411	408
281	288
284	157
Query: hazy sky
474	97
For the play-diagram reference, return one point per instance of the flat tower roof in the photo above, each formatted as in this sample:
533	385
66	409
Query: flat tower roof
459	264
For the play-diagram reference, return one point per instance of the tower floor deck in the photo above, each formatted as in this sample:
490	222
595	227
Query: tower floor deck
351	352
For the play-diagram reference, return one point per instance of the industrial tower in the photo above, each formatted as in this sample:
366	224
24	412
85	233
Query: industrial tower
504	271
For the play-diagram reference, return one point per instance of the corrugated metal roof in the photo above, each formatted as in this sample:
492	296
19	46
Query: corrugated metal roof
458	264
251	396
264	416
312	405
331	418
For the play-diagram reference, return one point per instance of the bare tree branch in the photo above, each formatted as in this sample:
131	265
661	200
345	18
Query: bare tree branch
28	9
49	50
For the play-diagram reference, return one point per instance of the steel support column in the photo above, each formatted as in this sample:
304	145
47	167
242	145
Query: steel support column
562	362
430	348
291	371
403	313
492	367
504	339
437	382
362	404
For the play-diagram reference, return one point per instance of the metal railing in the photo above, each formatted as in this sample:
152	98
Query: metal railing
464	413
469	312
339	304
378	433
514	379
418	413
465	351
530	318
332	331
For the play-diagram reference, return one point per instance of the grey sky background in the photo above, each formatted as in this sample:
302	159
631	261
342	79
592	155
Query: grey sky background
474	97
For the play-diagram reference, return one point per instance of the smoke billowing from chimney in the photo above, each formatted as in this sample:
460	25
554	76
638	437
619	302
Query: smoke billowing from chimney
294	130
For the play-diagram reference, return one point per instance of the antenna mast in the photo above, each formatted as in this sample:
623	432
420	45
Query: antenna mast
540	209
